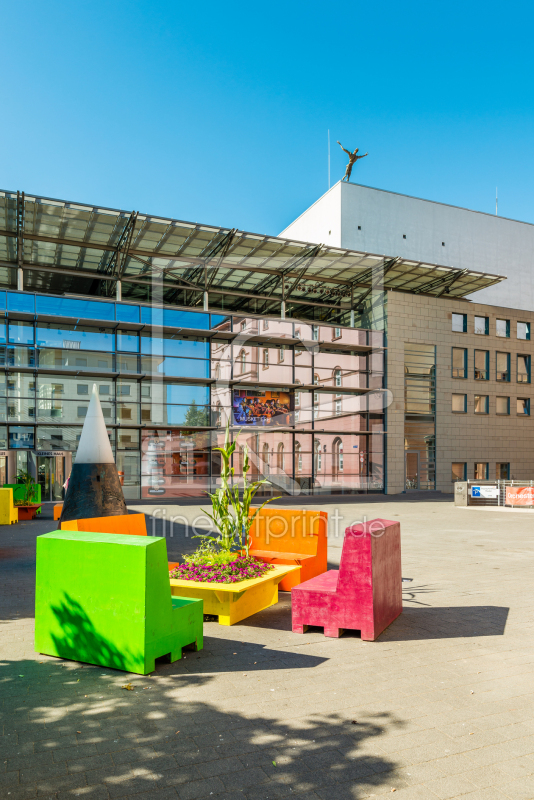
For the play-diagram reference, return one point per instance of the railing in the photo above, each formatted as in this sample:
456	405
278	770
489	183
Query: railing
509	493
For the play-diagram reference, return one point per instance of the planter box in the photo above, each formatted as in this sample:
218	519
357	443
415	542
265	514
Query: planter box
28	512
232	602
19	490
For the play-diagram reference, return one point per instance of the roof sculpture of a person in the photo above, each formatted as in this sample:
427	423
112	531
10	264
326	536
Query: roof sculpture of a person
353	158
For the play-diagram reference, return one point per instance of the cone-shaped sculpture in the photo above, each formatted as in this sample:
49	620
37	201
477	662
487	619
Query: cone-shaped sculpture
94	488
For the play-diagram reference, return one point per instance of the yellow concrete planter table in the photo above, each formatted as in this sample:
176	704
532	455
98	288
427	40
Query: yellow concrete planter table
232	602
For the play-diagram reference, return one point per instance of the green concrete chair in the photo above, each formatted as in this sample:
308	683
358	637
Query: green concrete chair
105	599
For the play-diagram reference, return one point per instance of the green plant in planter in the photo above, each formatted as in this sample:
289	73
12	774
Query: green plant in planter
27	480
208	555
230	514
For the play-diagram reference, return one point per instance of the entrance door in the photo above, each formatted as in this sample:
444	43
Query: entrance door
51	476
412	469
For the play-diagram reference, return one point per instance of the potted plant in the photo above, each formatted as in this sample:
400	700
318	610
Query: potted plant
223	556
26	507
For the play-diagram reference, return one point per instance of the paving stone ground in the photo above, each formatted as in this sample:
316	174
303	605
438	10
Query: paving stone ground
441	706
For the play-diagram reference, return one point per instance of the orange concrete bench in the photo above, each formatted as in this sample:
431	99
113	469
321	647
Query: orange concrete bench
132	524
58	508
289	536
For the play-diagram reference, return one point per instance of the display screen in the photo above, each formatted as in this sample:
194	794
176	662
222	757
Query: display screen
262	408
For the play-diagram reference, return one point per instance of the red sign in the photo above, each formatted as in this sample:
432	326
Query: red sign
520	495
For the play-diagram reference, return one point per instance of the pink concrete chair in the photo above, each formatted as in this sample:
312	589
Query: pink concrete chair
365	594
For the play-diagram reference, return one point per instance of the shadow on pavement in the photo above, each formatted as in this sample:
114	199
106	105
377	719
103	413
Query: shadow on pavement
447	623
75	730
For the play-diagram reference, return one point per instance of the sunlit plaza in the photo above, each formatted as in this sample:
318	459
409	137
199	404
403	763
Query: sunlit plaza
440	705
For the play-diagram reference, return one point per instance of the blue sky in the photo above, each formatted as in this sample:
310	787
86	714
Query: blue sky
218	113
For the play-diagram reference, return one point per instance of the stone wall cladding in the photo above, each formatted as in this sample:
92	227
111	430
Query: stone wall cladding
459	437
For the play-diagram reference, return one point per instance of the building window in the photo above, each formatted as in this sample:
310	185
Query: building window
298	456
265	358
337	377
502	328
266	456
317	456
481	471
145	390
265	324
316	380
481	404
523	406
502	405
146	415
481	365
243	325
241	458
281	354
242	361
338	406
337	461
502	471
459	403
523	330
123	389
281	459
503	367
315	333
523	369
482	325
82	388
459	323
103	390
297	396
81	411
459	471
337	333
459	362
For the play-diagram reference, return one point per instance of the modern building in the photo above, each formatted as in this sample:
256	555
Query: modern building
339	369
372	220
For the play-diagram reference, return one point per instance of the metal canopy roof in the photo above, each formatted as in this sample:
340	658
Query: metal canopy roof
72	247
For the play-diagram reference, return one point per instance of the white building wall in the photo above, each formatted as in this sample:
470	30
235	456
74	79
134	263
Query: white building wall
376	221
321	223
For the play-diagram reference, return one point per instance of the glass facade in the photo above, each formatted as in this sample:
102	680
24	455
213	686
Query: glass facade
305	399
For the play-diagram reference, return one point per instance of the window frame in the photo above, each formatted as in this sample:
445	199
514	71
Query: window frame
506	335
464	323
498	465
482	397
507	379
486	326
463	464
487	365
458	394
523	413
484	464
525	338
453	368
502	413
528	367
